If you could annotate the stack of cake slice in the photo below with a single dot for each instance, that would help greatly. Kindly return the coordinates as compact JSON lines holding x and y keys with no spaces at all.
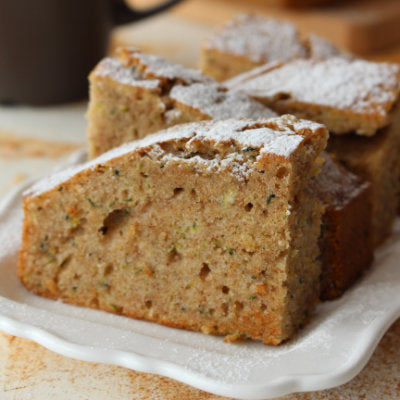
{"x":205,"y":99}
{"x":358,"y":101}
{"x":211,"y":226}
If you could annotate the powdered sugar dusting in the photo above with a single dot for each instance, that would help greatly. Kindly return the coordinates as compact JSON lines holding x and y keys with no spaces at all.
{"x":159,"y":67}
{"x":126,"y":76}
{"x":259,"y":38}
{"x":219,"y":103}
{"x":233,"y":162}
{"x":280,"y":136}
{"x":357,"y":85}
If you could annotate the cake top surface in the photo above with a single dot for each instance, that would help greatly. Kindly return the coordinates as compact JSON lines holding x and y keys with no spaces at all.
{"x":259,"y":38}
{"x":218,"y":102}
{"x":359,"y":86}
{"x":279,"y":136}
{"x":153,"y":66}
{"x":335,"y":185}
{"x":132,"y":67}
{"x":127,"y":76}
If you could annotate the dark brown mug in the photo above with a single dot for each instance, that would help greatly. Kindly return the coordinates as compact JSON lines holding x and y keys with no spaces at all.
{"x":48,"y":47}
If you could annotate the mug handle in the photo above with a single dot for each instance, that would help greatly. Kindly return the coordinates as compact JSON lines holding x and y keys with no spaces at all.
{"x":123,"y":14}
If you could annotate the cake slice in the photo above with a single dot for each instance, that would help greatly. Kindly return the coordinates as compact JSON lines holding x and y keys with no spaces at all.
{"x":358,"y":101}
{"x":208,"y":226}
{"x":136,"y":94}
{"x":248,"y":41}
{"x":345,"y":95}
{"x":346,"y":240}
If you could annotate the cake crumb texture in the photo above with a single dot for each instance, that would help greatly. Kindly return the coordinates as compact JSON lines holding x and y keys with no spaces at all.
{"x":144,"y":231}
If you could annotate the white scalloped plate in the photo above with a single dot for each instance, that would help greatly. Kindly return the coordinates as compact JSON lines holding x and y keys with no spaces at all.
{"x":330,"y":351}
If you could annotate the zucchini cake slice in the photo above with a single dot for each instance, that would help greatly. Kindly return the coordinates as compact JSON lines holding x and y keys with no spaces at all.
{"x":136,"y":93}
{"x":209,"y":226}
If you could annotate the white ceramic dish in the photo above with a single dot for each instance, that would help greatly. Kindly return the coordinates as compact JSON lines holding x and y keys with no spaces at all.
{"x":330,"y":351}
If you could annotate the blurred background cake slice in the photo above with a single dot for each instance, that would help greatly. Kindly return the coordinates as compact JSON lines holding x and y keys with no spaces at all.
{"x":248,"y":41}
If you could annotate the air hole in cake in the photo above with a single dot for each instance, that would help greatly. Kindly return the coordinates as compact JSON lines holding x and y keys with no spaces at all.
{"x":173,"y":256}
{"x":205,"y":270}
{"x":78,"y":229}
{"x":203,"y":155}
{"x":66,"y":261}
{"x":178,"y":191}
{"x":77,"y":276}
{"x":108,"y":269}
{"x":282,"y":96}
{"x":103,"y":230}
{"x":225,"y":308}
{"x":265,"y":213}
{"x":263,"y":307}
{"x":113,"y":221}
{"x":148,"y":303}
{"x":238,"y":306}
{"x":211,"y":311}
{"x":282,"y":172}
{"x":225,"y":289}
{"x":248,"y":207}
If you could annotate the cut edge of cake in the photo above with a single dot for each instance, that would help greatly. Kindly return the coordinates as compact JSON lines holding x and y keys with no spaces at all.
{"x":241,"y":151}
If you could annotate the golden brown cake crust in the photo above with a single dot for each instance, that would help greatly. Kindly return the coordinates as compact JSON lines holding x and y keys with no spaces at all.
{"x":144,"y":230}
